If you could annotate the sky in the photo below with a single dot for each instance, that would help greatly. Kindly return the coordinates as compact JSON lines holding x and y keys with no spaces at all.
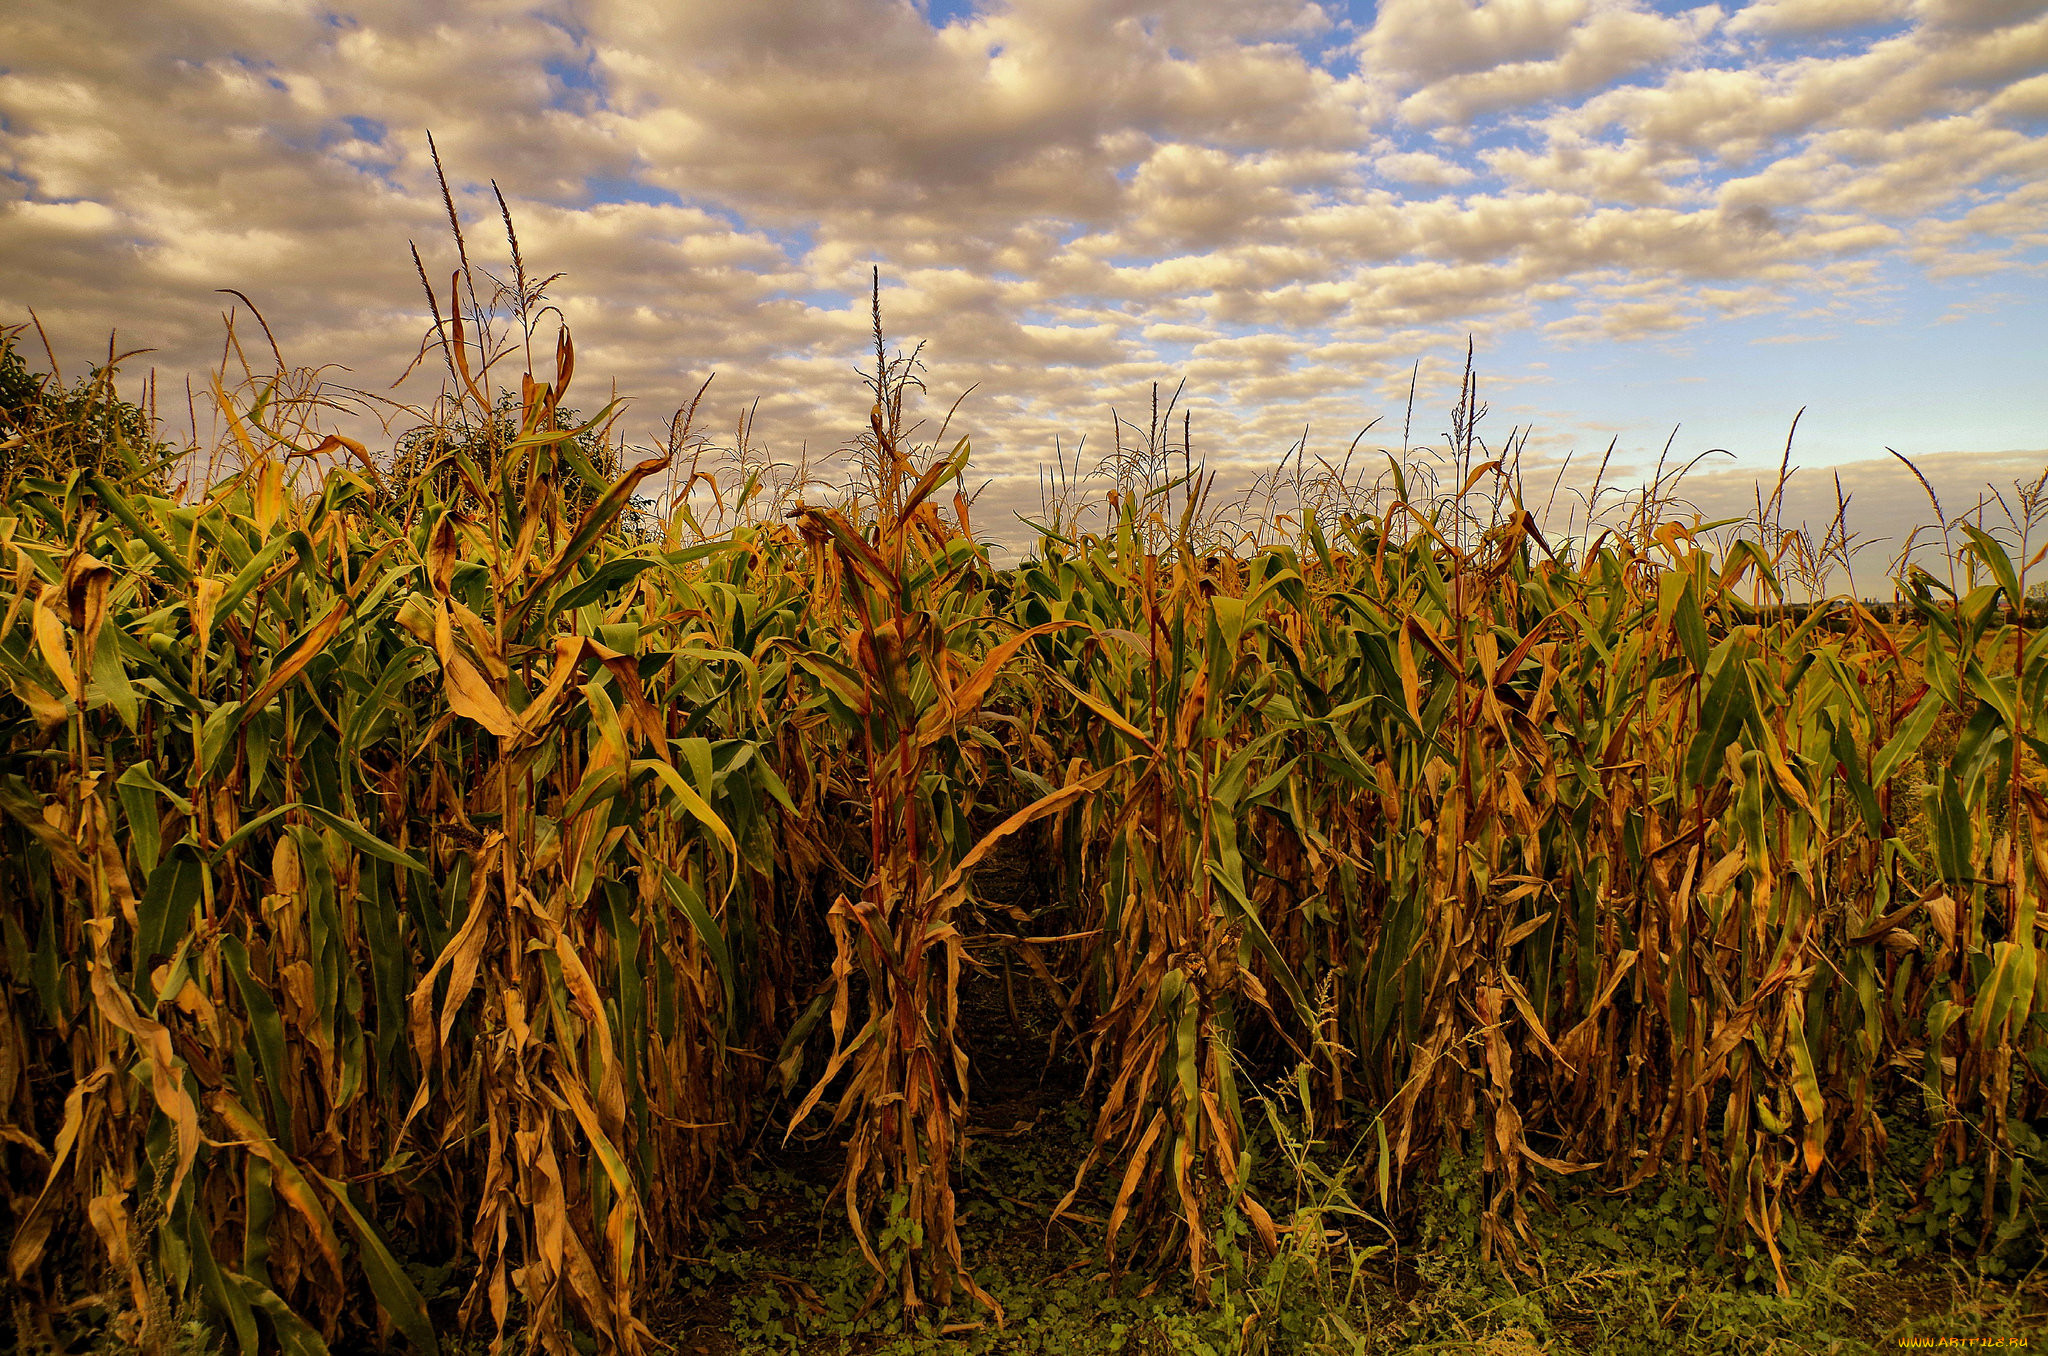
{"x":1657,"y":224}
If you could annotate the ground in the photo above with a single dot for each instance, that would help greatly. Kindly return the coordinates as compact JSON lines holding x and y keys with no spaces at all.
{"x":1616,"y":1276}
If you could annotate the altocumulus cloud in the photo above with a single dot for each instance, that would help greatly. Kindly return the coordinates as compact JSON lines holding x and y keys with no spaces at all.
{"x":1290,"y":203}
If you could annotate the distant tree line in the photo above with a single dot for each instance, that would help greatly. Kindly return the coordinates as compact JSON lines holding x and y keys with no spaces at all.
{"x":48,"y":429}
{"x":1890,"y":611}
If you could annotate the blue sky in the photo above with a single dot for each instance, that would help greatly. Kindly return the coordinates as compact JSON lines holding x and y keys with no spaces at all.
{"x":1645,"y":215}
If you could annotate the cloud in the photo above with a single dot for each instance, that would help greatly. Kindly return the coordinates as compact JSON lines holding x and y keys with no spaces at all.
{"x":1977,"y":14}
{"x":1478,"y":56}
{"x":1804,"y":17}
{"x":2021,"y":99}
{"x":1416,"y":42}
{"x":1420,"y":167}
{"x":859,"y":106}
{"x":1887,"y":507}
{"x":1200,"y":197}
{"x":1068,"y":198}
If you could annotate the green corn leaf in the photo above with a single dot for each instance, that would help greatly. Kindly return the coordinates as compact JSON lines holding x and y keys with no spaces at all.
{"x":295,"y":1336}
{"x":362,"y":840}
{"x":689,"y":801}
{"x":174,"y":890}
{"x":267,"y":1027}
{"x":217,"y":739}
{"x":123,"y":508}
{"x":225,"y":1297}
{"x":1997,"y":561}
{"x":1724,"y":709}
{"x":1256,"y":931}
{"x":1907,"y":737}
{"x":396,"y":1295}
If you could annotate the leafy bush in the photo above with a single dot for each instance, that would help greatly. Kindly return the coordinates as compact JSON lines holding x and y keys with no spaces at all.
{"x":51,"y":431}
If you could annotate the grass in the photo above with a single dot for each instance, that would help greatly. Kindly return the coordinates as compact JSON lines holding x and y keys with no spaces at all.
{"x":1618,"y":1276}
{"x":440,"y":893}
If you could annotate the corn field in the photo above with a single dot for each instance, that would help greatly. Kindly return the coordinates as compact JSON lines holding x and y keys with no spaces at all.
{"x":412,"y":867}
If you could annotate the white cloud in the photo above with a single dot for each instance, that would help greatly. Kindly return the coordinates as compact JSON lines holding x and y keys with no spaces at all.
{"x":1420,"y":167}
{"x":1886,"y":503}
{"x":1418,"y":41}
{"x":2021,"y":99}
{"x":1055,"y":189}
{"x":1814,"y":16}
{"x":1978,"y":14}
{"x":1477,"y":56}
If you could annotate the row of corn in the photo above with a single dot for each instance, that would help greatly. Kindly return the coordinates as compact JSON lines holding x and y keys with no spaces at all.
{"x":397,"y":873}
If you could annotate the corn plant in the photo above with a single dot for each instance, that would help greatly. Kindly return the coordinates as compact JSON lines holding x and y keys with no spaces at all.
{"x":423,"y":887}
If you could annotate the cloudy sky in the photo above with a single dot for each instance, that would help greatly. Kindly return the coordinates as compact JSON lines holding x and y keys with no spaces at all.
{"x":1647,"y":216}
